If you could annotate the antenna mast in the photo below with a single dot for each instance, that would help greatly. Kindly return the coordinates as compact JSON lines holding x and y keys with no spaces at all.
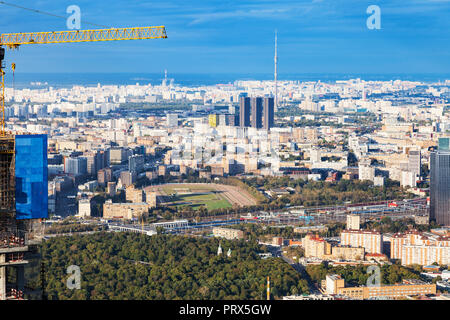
{"x":275,"y":73}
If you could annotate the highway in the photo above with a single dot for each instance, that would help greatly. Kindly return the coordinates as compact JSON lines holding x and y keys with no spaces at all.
{"x":301,"y":269}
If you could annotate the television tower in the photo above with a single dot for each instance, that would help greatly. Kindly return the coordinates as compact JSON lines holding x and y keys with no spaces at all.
{"x":275,"y":73}
{"x":164,"y":83}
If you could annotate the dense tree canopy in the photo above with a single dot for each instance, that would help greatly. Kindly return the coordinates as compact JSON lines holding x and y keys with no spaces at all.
{"x":132,"y":266}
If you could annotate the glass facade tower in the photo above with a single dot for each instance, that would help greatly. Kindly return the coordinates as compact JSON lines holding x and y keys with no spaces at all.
{"x":440,"y":187}
{"x":244,"y":112}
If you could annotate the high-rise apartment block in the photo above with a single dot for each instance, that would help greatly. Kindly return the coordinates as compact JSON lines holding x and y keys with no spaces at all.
{"x":127,"y":178}
{"x":95,"y":160}
{"x":256,"y":112}
{"x":366,"y":172}
{"x":421,"y":248}
{"x":84,"y":208}
{"x":76,"y":166}
{"x":244,"y":112}
{"x":231,"y":120}
{"x":111,"y":189}
{"x":90,"y":163}
{"x":172,"y":120}
{"x":117,"y":156}
{"x":268,"y":113}
{"x":151,"y":198}
{"x":371,"y":241}
{"x":104,"y":176}
{"x":134,"y":195}
{"x":302,"y":134}
{"x":353,"y":222}
{"x":136,"y":163}
{"x":316,"y":247}
{"x":414,"y":162}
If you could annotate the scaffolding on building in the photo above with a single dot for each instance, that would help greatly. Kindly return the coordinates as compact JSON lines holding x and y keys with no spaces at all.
{"x":12,"y":232}
{"x":7,"y":181}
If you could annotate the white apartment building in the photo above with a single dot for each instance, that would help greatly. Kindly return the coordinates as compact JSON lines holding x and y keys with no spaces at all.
{"x":371,"y":241}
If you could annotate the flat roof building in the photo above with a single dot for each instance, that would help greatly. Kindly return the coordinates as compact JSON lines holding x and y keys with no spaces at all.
{"x":124,"y":210}
{"x":228,"y":233}
{"x":335,"y":284}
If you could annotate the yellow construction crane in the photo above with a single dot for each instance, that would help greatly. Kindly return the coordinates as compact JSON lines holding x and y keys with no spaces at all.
{"x":14,"y":40}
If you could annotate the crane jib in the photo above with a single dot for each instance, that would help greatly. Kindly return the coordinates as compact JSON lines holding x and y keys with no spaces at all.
{"x":112,"y":34}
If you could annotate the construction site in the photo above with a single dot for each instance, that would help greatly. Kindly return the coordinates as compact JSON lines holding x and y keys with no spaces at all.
{"x":13,"y":240}
{"x":23,"y":202}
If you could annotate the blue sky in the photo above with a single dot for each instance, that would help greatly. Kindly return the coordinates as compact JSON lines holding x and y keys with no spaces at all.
{"x":212,"y":36}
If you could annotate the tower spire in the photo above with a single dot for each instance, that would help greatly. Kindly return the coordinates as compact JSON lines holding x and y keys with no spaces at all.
{"x":275,"y":73}
{"x":165,"y":78}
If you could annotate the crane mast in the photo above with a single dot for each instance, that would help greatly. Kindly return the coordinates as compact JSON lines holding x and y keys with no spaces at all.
{"x":2,"y":93}
{"x":14,"y":40}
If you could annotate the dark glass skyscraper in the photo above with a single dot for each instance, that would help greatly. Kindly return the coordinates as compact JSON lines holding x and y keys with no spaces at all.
{"x":257,"y":111}
{"x":440,"y":185}
{"x":268,"y":109}
{"x":244,"y":112}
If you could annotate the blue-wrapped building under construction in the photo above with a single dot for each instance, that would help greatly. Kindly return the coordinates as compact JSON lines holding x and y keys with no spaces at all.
{"x":31,"y":176}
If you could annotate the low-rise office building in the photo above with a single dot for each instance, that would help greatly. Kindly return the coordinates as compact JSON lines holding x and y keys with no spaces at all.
{"x":124,"y":210}
{"x":335,"y":285}
{"x":228,"y":233}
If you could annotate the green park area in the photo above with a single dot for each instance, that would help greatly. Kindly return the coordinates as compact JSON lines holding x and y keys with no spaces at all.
{"x":195,"y":197}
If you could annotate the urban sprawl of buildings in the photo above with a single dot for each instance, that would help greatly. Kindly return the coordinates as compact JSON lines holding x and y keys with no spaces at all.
{"x":108,"y":138}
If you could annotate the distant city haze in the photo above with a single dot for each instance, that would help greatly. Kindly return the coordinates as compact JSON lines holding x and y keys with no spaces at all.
{"x":30,"y":80}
